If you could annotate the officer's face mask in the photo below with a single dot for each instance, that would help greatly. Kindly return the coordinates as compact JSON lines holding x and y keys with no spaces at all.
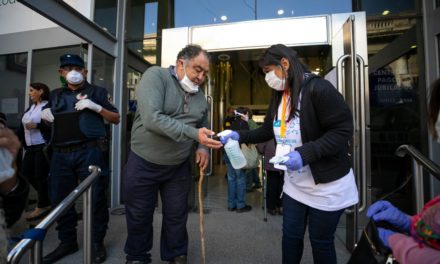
{"x":187,"y":85}
{"x":274,"y":81}
{"x":74,"y":77}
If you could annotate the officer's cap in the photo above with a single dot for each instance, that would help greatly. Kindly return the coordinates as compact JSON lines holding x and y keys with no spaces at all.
{"x":71,"y":60}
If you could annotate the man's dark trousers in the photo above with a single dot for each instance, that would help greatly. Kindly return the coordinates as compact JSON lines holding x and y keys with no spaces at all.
{"x":67,"y":169}
{"x":142,"y":181}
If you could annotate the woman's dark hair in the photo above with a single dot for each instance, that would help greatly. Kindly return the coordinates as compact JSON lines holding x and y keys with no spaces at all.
{"x":191,"y":51}
{"x":41,"y":86}
{"x":434,"y":107}
{"x":295,"y":74}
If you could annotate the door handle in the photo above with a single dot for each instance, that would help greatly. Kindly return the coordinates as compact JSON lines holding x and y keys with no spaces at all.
{"x":211,"y":121}
{"x":359,"y":117}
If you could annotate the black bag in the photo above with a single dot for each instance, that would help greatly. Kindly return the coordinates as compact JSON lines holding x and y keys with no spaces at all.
{"x":370,"y":248}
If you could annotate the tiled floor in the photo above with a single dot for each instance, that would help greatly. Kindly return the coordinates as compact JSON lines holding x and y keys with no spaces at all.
{"x":230,"y":237}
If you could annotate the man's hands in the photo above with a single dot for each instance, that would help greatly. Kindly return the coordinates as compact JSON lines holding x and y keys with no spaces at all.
{"x":204,"y":138}
{"x":47,"y":115}
{"x":202,"y":158}
{"x":87,"y":103}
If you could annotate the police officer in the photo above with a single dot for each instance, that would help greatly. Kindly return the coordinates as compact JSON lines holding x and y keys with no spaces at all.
{"x":77,"y":112}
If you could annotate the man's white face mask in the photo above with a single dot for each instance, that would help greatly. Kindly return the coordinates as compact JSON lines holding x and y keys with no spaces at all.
{"x":187,"y":85}
{"x":74,"y":77}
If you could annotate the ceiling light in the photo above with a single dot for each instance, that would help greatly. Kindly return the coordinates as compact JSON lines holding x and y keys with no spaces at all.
{"x":414,"y":46}
{"x":224,"y":18}
{"x":139,"y":51}
{"x":280,"y":12}
{"x":385,"y":12}
{"x":223,"y":57}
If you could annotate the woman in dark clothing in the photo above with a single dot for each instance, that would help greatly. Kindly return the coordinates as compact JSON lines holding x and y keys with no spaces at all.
{"x":34,"y":135}
{"x":312,"y":125}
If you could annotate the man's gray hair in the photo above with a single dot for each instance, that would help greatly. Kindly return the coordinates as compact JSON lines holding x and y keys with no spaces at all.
{"x":191,"y":51}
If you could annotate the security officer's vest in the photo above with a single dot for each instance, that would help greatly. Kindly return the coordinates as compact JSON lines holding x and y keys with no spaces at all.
{"x":70,"y":125}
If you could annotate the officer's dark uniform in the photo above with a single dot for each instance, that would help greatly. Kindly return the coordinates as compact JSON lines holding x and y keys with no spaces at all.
{"x":78,"y":140}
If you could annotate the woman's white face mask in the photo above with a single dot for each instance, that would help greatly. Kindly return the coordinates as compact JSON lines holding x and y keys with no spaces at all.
{"x":274,"y":81}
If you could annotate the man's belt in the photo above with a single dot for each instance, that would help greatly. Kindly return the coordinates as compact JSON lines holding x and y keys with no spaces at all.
{"x":76,"y":146}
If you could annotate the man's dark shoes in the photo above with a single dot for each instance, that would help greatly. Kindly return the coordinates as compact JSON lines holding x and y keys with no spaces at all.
{"x":136,"y":262}
{"x":246,"y":208}
{"x":99,"y":254}
{"x":63,"y":249}
{"x":230,"y":209}
{"x":179,"y":260}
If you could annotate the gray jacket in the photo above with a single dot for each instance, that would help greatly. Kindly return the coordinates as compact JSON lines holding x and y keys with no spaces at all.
{"x":163,"y":133}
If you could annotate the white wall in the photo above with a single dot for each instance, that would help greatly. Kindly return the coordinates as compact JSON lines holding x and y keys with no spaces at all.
{"x":15,"y":17}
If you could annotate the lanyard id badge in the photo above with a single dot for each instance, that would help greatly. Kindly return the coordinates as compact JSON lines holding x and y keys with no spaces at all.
{"x":281,"y":150}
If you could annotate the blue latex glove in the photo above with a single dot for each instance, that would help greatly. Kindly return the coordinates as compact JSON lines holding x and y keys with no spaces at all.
{"x":294,"y":162}
{"x":385,"y":211}
{"x":384,"y":235}
{"x":227,"y":134}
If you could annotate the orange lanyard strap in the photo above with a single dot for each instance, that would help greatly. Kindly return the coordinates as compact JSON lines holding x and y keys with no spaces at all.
{"x":283,"y":116}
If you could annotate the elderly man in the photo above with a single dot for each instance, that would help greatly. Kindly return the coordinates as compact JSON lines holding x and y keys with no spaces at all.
{"x":171,"y":116}
{"x":77,"y":112}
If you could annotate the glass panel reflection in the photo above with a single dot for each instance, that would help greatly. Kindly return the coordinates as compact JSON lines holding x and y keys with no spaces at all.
{"x":12,"y":96}
{"x":395,"y":120}
{"x":384,"y":8}
{"x":142,"y":30}
{"x":102,"y":70}
{"x":194,"y":12}
{"x":105,"y":14}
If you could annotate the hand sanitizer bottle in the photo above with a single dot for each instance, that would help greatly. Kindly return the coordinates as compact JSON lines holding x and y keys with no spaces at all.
{"x":232,"y":149}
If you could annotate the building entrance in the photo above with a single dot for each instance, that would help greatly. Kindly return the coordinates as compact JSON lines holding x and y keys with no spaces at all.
{"x":334,"y":46}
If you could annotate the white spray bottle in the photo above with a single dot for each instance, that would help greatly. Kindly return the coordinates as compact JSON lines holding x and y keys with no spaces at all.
{"x":232,"y":149}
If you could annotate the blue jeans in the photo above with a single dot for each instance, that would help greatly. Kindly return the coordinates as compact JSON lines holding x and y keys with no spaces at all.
{"x":322,"y":227}
{"x":236,"y":186}
{"x":252,"y":179}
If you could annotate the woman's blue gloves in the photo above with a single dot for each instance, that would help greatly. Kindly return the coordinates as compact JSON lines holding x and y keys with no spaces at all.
{"x":384,"y":235}
{"x":227,"y":134}
{"x":385,"y":211}
{"x":294,"y":162}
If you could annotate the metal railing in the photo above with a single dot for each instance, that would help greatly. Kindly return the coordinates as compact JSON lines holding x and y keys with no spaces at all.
{"x":419,"y":162}
{"x":36,"y":247}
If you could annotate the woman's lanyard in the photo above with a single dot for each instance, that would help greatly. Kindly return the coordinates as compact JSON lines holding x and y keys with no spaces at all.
{"x":283,"y":116}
